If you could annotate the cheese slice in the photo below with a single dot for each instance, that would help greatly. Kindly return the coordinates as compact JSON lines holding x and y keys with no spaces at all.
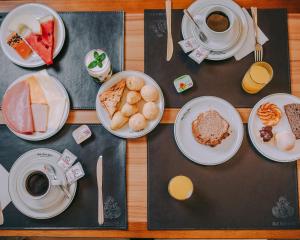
{"x":36,"y":92}
{"x":55,"y":98}
{"x":40,"y":116}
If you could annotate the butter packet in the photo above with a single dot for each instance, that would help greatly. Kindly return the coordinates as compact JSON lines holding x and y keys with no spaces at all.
{"x":188,"y":45}
{"x":199,"y":54}
{"x":74,"y":173}
{"x":81,"y":134}
{"x":183,"y":83}
{"x":66,"y":160}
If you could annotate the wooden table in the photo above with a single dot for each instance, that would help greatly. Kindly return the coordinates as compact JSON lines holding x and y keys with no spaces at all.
{"x":137,"y":149}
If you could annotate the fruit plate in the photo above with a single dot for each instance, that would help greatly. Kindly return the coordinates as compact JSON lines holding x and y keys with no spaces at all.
{"x":203,"y":154}
{"x":125,"y":131}
{"x":38,"y":11}
{"x":37,"y":136}
{"x":269,"y":149}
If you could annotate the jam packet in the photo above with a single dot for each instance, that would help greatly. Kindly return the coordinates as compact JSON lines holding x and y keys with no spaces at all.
{"x":183,"y":83}
{"x":74,"y":173}
{"x":188,"y":45}
{"x":66,"y":160}
{"x":81,"y":134}
{"x":199,"y":54}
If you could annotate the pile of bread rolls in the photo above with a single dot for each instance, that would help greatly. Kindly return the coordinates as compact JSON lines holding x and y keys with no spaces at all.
{"x":139,"y":93}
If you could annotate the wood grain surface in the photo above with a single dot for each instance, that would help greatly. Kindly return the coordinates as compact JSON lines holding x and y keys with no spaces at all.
{"x":137,"y":149}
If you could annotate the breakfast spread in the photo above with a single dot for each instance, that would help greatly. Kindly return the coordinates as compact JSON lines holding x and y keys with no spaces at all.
{"x":131,"y":101}
{"x":269,"y":114}
{"x":34,"y":104}
{"x":38,"y":34}
{"x":210,"y":128}
{"x":183,"y":83}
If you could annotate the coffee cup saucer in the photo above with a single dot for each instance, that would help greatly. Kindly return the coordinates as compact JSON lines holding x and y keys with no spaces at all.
{"x":54,"y":201}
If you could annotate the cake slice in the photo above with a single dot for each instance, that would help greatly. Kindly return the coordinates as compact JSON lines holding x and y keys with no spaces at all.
{"x":292,"y":112}
{"x":111,"y":97}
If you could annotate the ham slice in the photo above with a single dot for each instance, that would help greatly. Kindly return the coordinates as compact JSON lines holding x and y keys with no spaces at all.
{"x":16,"y":108}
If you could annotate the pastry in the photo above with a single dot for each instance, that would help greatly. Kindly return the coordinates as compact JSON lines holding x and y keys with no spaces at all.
{"x":292,"y":112}
{"x":150,"y":110}
{"x":149,"y":93}
{"x":269,"y":114}
{"x":210,"y":128}
{"x":134,"y":83}
{"x":118,"y":121}
{"x":133,"y":97}
{"x":285,"y":140}
{"x":111,"y":97}
{"x":137,"y":122}
{"x":129,"y":109}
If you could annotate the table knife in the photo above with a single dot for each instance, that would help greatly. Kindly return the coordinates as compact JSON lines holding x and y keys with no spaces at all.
{"x":1,"y":215}
{"x":100,"y":194}
{"x":169,"y":30}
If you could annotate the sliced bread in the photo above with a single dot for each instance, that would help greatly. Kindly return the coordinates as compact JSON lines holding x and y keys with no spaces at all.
{"x":292,"y":112}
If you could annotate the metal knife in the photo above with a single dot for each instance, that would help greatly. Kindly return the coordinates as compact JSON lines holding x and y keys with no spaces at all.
{"x":169,"y":30}
{"x":100,"y":194}
{"x":1,"y":215}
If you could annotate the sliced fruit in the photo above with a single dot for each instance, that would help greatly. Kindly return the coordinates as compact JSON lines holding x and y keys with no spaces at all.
{"x":25,"y":21}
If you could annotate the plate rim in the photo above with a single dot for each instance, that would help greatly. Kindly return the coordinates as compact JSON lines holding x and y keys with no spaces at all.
{"x":57,"y":49}
{"x":136,"y":134}
{"x":250,"y":131}
{"x":241,"y":127}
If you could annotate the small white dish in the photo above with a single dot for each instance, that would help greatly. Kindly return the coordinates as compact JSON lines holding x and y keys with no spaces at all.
{"x":219,"y":50}
{"x":126,"y":132}
{"x":37,"y":136}
{"x":269,"y":149}
{"x":54,"y":202}
{"x":38,"y":11}
{"x":203,"y":154}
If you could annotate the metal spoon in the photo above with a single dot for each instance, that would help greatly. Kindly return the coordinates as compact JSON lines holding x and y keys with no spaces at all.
{"x":202,"y":35}
{"x":51,"y":171}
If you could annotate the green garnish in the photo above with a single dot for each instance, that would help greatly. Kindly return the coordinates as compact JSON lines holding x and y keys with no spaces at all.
{"x":98,"y":59}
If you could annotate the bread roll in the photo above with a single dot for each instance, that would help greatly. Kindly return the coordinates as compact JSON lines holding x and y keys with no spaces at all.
{"x":137,"y":122}
{"x":118,"y":121}
{"x":134,"y":83}
{"x":150,"y":110}
{"x":149,"y":93}
{"x":128,"y":109}
{"x":133,"y":97}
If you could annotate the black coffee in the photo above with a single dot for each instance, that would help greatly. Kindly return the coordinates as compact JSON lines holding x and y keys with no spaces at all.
{"x":218,"y":21}
{"x":37,"y":184}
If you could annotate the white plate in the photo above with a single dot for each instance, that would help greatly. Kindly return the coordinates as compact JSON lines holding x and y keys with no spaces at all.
{"x":54,"y":202}
{"x":269,"y":149}
{"x":38,"y":11}
{"x":126,"y":132}
{"x":188,"y":30}
{"x":37,"y":136}
{"x":200,"y":153}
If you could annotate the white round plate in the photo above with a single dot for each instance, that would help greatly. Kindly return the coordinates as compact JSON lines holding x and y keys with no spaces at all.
{"x":38,"y":11}
{"x":54,"y":202}
{"x":125,"y":131}
{"x":188,"y":29}
{"x":200,"y":153}
{"x":37,"y":136}
{"x":269,"y":149}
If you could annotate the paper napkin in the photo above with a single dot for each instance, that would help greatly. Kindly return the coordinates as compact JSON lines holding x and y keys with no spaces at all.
{"x":249,"y":44}
{"x":4,"y":194}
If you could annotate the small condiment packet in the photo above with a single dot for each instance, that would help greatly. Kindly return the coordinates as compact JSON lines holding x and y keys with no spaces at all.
{"x":188,"y":45}
{"x":199,"y":54}
{"x":183,"y":83}
{"x":66,"y":160}
{"x":81,"y":134}
{"x":74,"y":173}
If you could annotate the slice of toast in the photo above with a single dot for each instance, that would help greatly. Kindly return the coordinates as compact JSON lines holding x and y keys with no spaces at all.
{"x":111,"y":97}
{"x":292,"y":112}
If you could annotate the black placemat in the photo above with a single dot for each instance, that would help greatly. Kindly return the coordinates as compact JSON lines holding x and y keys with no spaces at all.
{"x":221,"y":79}
{"x":83,"y":211}
{"x":84,"y":31}
{"x":247,"y":192}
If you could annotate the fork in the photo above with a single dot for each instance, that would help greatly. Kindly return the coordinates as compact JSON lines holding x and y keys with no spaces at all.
{"x":258,"y":52}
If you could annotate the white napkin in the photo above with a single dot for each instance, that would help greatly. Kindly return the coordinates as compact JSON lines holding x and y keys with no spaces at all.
{"x":249,"y":44}
{"x":4,"y":194}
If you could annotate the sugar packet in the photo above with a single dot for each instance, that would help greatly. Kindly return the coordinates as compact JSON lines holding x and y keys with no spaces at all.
{"x":199,"y":54}
{"x":74,"y":173}
{"x":188,"y":45}
{"x":66,"y":160}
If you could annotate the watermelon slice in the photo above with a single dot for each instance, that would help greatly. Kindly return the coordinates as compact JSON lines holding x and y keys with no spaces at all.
{"x":43,"y":44}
